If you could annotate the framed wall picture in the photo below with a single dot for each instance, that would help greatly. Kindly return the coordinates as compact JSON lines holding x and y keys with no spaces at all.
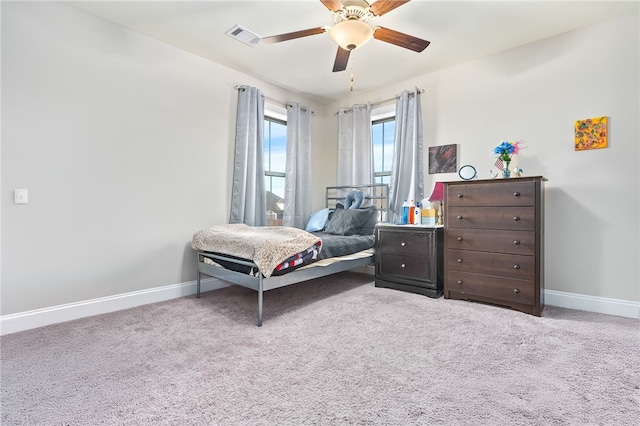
{"x":443,"y":159}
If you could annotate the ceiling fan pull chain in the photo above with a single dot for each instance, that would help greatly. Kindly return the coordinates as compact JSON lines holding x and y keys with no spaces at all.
{"x":351,"y":79}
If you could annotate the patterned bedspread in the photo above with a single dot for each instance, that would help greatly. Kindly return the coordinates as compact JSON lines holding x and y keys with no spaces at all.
{"x":266,"y":246}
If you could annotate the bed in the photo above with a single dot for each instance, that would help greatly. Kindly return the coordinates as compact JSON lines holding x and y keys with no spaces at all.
{"x":341,"y":245}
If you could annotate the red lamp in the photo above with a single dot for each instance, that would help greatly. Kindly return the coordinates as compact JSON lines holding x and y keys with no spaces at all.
{"x":438,"y":196}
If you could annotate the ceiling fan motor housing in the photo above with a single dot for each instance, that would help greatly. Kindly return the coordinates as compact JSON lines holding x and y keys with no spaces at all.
{"x":353,"y":9}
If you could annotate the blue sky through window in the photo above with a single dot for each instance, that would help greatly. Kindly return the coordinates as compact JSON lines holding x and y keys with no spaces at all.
{"x":275,"y":143}
{"x":383,"y":135}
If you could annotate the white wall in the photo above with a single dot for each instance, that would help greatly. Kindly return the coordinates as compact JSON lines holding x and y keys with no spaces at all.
{"x":125,"y":145}
{"x":535,"y":93}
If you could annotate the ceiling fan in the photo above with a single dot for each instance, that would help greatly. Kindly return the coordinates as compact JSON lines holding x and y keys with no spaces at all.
{"x":351,"y":28}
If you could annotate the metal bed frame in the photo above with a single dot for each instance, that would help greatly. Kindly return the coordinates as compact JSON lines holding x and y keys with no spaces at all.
{"x":261,"y":284}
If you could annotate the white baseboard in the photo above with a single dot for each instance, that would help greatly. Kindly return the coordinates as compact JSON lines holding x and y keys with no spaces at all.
{"x":56,"y":314}
{"x":601,"y":305}
{"x":41,"y":317}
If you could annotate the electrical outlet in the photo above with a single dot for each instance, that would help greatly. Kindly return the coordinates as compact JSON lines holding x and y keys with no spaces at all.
{"x":21,"y":196}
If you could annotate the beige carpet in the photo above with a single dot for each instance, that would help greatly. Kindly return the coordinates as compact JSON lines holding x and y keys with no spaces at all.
{"x":334,"y":351}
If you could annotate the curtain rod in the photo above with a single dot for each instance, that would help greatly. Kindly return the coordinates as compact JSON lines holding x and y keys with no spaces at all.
{"x":386,"y":101}
{"x":272,"y":100}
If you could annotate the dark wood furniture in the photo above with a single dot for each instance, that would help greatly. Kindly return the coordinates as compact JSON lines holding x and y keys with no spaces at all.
{"x":410,"y":258}
{"x":493,"y":242}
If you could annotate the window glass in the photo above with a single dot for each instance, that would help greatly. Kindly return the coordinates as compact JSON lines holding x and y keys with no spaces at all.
{"x":383,"y":136}
{"x":275,"y":144}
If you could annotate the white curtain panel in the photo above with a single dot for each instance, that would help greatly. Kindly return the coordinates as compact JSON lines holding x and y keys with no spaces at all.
{"x":297,"y":184}
{"x":407,"y":175}
{"x":248,"y":204}
{"x":355,"y":151}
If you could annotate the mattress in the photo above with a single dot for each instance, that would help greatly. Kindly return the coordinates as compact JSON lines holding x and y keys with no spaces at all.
{"x":333,"y":246}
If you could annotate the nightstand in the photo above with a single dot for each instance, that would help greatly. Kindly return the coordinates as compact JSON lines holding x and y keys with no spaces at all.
{"x":410,"y":258}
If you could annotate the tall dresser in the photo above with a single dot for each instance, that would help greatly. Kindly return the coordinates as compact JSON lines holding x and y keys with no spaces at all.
{"x":493,"y":242}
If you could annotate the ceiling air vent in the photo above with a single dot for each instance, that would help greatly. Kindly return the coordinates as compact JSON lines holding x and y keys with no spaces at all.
{"x":244,"y":35}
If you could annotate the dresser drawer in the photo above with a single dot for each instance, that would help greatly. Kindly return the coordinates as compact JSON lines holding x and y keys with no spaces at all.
{"x":514,"y":242}
{"x":392,"y":266}
{"x":513,"y":291}
{"x":405,"y":242}
{"x":498,"y":193}
{"x":503,"y":265}
{"x":509,"y":218}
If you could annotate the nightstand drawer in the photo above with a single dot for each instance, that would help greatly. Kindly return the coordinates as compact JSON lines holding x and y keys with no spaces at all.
{"x":508,"y":218}
{"x":507,"y":193}
{"x":514,"y":242}
{"x":408,"y":267}
{"x":405,"y":243}
{"x":503,"y":265}
{"x":503,"y":289}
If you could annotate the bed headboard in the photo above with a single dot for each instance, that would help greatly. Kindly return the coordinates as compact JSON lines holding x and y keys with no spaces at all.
{"x":376,"y":194}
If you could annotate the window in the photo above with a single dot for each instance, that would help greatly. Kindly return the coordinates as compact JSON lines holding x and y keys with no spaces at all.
{"x":383,"y":132}
{"x":275,"y":144}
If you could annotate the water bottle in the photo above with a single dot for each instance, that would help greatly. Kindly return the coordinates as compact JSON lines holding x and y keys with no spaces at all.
{"x":404,"y":218}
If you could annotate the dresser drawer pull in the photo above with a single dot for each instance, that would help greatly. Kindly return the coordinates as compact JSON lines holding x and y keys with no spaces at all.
{"x":459,"y":238}
{"x":516,"y":194}
{"x":402,"y":265}
{"x":516,"y":218}
{"x":459,"y":260}
{"x":516,"y":242}
{"x":460,"y":196}
{"x":516,"y":266}
{"x":459,"y":217}
{"x":402,"y":244}
{"x":516,"y":291}
{"x":460,"y":282}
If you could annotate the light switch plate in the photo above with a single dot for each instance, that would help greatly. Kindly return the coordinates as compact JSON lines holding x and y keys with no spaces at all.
{"x":21,"y":196}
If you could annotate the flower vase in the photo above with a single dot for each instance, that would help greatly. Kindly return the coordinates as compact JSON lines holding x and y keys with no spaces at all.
{"x":506,"y":173}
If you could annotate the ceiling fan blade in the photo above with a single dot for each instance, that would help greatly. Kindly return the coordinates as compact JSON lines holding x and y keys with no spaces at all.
{"x":399,"y":39}
{"x":332,"y":5}
{"x":296,"y":34}
{"x":381,"y":7}
{"x":342,"y":57}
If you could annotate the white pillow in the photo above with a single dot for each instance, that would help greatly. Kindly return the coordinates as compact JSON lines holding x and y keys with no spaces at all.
{"x":318,"y":221}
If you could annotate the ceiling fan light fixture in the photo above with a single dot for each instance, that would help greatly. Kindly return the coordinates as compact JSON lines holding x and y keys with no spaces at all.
{"x":351,"y":34}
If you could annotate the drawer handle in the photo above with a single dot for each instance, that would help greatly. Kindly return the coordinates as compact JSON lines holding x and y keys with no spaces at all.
{"x":402,"y":244}
{"x":516,"y":266}
{"x":402,"y":265}
{"x":516,"y":218}
{"x":459,"y":238}
{"x":516,"y":194}
{"x":516,"y":291}
{"x":459,"y":217}
{"x":460,"y":282}
{"x":460,"y":196}
{"x":459,"y":260}
{"x":516,"y":242}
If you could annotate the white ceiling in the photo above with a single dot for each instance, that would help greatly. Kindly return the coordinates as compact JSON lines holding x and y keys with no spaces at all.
{"x":458,"y":30}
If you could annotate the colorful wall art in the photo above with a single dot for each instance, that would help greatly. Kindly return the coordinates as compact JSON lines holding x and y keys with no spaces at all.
{"x":591,"y":133}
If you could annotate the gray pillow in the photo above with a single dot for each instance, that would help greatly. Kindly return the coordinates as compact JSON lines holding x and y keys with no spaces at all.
{"x":351,"y":222}
{"x":369,"y":224}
